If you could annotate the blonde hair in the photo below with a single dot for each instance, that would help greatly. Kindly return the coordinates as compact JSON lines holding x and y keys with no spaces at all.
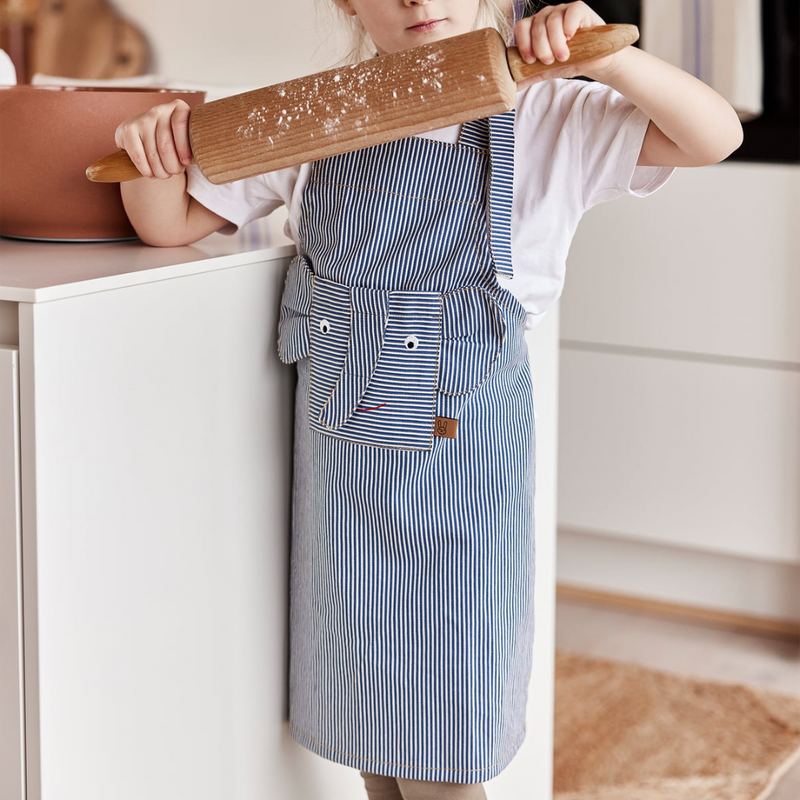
{"x":498,"y":14}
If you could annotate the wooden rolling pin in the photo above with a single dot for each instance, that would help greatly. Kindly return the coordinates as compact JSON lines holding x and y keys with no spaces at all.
{"x":379,"y":100}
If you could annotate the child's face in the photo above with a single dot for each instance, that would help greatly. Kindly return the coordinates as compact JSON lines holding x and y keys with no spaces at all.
{"x":399,"y":24}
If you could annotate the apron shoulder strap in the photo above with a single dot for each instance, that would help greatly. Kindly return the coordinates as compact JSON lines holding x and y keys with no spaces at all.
{"x":496,"y":136}
{"x":501,"y":190}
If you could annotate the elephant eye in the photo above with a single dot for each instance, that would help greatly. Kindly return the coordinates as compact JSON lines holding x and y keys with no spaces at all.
{"x":324,"y":325}
{"x":411,"y":342}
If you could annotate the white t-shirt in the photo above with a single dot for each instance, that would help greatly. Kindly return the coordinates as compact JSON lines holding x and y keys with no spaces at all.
{"x":576,"y":145}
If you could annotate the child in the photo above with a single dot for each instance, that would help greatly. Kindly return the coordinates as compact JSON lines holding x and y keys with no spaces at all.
{"x":413,"y":549}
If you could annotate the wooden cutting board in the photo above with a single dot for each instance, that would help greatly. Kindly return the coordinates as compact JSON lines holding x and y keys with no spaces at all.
{"x":379,"y":100}
{"x":85,"y":39}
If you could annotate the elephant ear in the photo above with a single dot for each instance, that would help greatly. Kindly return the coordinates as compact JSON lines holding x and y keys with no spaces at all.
{"x":295,"y":318}
{"x":473,"y":331}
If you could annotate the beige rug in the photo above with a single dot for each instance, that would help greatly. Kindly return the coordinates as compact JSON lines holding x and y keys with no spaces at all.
{"x":624,"y":732}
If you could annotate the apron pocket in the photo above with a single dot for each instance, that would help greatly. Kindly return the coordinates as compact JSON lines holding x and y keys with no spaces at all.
{"x":473,"y":331}
{"x":374,"y":382}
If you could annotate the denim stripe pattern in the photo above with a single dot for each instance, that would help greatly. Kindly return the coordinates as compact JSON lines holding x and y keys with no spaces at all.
{"x":413,"y":555}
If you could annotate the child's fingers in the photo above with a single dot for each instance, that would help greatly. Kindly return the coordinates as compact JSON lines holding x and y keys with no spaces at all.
{"x":574,"y":19}
{"x":540,"y":37}
{"x":166,"y":153}
{"x":151,"y":151}
{"x":127,"y":138}
{"x":579,"y":15}
{"x":180,"y":131}
{"x":146,"y":127}
{"x":522,"y":37}
{"x":556,"y":37}
{"x":138,"y":152}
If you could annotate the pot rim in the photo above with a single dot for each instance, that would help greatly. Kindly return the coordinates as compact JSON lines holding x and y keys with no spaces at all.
{"x":52,"y":87}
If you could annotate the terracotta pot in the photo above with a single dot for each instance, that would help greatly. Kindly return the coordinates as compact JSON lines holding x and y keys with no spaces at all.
{"x":49,"y":135}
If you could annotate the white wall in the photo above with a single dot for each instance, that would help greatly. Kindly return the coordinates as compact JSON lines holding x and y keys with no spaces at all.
{"x":236,"y":42}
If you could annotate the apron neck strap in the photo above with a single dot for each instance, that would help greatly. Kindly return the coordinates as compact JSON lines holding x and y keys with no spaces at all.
{"x":496,"y":136}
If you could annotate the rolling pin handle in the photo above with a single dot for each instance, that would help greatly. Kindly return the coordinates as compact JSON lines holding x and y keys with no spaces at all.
{"x":585,"y":45}
{"x":113,"y":168}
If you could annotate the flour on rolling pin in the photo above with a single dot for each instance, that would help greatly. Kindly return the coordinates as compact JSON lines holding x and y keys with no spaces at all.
{"x":326,"y":99}
{"x":377,"y":100}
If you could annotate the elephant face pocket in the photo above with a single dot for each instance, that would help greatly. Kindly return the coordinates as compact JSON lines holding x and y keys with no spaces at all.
{"x":473,"y":332}
{"x":385,"y":389}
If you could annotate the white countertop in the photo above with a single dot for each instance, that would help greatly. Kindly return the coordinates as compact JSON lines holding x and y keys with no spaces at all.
{"x":35,"y":272}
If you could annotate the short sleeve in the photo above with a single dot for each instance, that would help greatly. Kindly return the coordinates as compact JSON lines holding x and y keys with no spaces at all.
{"x":241,"y":202}
{"x":613,"y":130}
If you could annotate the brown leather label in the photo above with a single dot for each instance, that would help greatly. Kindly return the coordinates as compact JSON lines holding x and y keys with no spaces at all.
{"x":444,"y":426}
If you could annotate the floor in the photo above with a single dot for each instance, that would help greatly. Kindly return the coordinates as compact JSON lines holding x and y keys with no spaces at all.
{"x":688,"y":648}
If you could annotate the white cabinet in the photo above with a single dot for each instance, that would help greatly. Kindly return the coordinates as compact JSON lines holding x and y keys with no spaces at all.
{"x":11,"y":690}
{"x":680,"y":392}
{"x":156,"y":485}
{"x":709,"y":266}
{"x":149,"y":577}
{"x":694,"y":455}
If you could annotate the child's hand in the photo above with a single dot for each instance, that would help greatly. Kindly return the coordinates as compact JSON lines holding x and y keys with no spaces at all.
{"x":544,"y":37}
{"x":158,"y":140}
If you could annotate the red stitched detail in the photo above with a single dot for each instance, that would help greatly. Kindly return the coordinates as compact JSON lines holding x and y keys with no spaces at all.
{"x":371,"y":409}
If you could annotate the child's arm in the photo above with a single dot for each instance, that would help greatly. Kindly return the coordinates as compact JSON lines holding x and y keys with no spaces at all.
{"x":691,"y":125}
{"x":158,"y":206}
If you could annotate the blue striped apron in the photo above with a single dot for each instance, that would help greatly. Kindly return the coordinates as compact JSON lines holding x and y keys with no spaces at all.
{"x":412,"y":568}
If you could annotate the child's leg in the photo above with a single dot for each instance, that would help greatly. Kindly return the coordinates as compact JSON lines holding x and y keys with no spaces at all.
{"x":434,"y":790}
{"x":379,"y":787}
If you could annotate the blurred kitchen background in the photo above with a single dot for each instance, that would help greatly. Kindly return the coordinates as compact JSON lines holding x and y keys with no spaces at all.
{"x":676,"y":421}
{"x":679,"y":430}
